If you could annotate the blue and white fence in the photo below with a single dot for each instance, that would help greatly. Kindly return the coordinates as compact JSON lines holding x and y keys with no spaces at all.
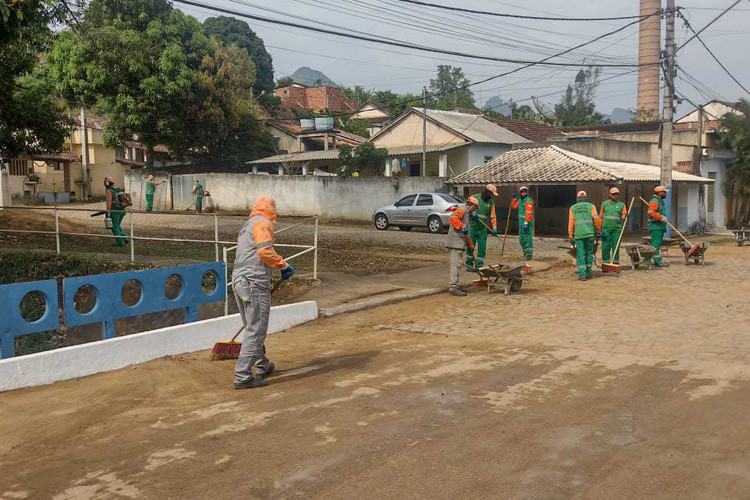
{"x":109,"y":305}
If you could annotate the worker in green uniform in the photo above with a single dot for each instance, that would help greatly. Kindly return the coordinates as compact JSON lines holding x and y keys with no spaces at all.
{"x":482,"y":218}
{"x":583,"y":225}
{"x":199,"y":193}
{"x":657,"y":223}
{"x":115,"y":211}
{"x":150,"y":187}
{"x":525,"y":221}
{"x":613,"y":213}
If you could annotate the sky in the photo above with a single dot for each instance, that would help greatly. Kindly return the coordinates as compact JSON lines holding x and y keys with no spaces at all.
{"x":374,"y":66}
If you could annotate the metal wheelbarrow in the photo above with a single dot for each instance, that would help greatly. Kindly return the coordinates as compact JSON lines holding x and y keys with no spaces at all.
{"x":666,"y":244}
{"x":699,"y":253}
{"x":741,"y":235}
{"x":509,"y":273}
{"x":640,"y":254}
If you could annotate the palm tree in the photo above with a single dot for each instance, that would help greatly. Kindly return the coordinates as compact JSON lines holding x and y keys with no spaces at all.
{"x":735,"y":135}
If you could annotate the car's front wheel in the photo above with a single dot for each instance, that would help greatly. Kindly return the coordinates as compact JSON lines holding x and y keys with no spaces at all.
{"x":434,"y":224}
{"x":381,"y":222}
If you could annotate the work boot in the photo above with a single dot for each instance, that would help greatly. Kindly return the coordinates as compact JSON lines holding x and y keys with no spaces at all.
{"x":270,"y":370}
{"x":582,"y":278}
{"x":252,"y":383}
{"x":457,"y":292}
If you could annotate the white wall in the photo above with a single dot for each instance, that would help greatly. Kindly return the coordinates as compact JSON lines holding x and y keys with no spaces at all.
{"x":331,"y":197}
{"x":477,"y":152}
{"x":719,"y":167}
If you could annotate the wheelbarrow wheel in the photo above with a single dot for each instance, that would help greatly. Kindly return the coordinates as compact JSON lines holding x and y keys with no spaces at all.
{"x":515,"y":285}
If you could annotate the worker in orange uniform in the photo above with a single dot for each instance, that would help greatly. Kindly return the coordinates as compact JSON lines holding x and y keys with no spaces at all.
{"x":458,"y":240}
{"x":657,"y":223}
{"x":251,"y":283}
{"x":583,"y":225}
{"x":525,"y":221}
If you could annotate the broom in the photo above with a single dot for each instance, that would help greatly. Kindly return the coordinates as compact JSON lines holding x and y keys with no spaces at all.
{"x":693,"y":248}
{"x":610,"y":266}
{"x":230,"y":348}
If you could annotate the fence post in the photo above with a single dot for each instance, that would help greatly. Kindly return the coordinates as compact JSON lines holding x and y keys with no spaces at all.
{"x":226,"y":284}
{"x":216,"y":235}
{"x":132,"y":241}
{"x":315,"y":252}
{"x":57,"y":230}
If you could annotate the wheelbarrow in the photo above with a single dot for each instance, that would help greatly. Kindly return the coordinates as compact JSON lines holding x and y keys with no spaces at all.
{"x":698,"y":254}
{"x":509,"y":273}
{"x":741,"y":235}
{"x":666,"y":243}
{"x":640,"y":254}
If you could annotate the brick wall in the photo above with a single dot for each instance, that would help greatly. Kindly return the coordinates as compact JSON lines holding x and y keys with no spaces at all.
{"x":315,"y":98}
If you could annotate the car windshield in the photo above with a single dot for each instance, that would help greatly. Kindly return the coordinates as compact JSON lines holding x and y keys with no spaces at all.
{"x":449,"y":198}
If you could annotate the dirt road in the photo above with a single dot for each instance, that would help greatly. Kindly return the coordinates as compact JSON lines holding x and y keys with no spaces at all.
{"x":622,"y":387}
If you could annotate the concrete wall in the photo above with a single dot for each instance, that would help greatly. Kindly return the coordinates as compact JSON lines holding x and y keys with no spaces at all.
{"x":331,"y":197}
{"x":717,"y":166}
{"x":112,"y":354}
{"x":477,"y":152}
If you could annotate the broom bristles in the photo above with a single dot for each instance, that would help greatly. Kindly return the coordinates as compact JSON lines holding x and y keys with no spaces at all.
{"x":693,"y":249}
{"x":226,"y":349}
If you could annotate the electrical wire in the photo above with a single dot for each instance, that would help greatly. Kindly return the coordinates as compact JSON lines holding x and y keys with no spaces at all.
{"x":706,"y":26}
{"x":517,"y":16}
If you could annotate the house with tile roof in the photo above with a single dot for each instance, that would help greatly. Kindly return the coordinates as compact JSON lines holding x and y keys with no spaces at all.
{"x":554,"y":175}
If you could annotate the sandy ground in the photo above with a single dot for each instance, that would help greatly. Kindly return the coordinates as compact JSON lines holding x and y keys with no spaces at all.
{"x":635,"y":386}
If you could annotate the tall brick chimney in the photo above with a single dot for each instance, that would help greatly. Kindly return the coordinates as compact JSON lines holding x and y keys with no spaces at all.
{"x":649,"y":45}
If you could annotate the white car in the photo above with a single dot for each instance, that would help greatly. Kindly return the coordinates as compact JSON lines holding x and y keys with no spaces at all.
{"x":430,"y":210}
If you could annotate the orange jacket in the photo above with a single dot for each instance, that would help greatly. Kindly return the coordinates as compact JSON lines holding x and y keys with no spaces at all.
{"x":528,"y":206}
{"x":572,"y":221}
{"x":457,"y":221}
{"x":263,"y":232}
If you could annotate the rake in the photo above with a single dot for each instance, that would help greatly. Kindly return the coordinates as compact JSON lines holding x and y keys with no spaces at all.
{"x":693,"y":248}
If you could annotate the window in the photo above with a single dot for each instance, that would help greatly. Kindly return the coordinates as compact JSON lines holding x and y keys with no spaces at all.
{"x":329,"y":100}
{"x":406,"y":201}
{"x":449,"y":198}
{"x":414,"y":170}
{"x":425,"y":200}
{"x":17,"y":167}
{"x":488,"y":158}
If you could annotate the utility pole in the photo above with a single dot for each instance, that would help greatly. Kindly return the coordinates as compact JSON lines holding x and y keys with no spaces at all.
{"x":85,"y":172}
{"x":668,"y":110}
{"x":423,"y":169}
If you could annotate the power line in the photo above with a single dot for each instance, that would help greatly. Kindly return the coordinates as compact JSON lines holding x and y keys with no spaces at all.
{"x":695,"y":35}
{"x":517,"y":16}
{"x":706,"y":26}
{"x":399,"y":43}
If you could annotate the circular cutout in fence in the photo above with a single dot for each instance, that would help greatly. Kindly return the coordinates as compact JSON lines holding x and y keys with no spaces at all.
{"x":84,"y":299}
{"x":173,"y":286}
{"x":33,"y":306}
{"x":131,"y":293}
{"x":208,"y":282}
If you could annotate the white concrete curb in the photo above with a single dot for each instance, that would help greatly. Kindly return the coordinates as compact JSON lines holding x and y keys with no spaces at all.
{"x":113,"y":354}
{"x":368,"y":304}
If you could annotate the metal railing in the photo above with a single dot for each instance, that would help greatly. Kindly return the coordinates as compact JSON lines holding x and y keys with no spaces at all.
{"x":133,"y":238}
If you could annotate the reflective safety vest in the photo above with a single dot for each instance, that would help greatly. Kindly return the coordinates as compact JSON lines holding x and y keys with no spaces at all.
{"x":612,"y":215}
{"x":485,"y":212}
{"x":655,"y":224}
{"x":584,"y":220}
{"x":525,"y":211}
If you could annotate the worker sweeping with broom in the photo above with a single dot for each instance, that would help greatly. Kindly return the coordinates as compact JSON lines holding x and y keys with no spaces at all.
{"x":482,"y":218}
{"x":613,"y":214}
{"x":583,"y":225}
{"x":251,"y":283}
{"x":657,"y":223}
{"x":458,"y":240}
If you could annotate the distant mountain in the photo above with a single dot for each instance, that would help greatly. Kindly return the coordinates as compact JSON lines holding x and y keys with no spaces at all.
{"x":620,"y":115}
{"x":309,"y":76}
{"x":496,"y":104}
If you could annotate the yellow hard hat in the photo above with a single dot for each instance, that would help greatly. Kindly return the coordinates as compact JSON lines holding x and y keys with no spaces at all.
{"x":660,"y":189}
{"x":472,"y":200}
{"x":491,"y":188}
{"x":614,"y":191}
{"x":581,"y":193}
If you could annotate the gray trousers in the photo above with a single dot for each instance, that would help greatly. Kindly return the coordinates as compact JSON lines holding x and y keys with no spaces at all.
{"x":457,"y":257}
{"x":254,"y":303}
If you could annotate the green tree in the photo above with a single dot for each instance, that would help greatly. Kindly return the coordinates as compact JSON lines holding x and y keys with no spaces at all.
{"x":358,"y":93}
{"x":735,"y":134}
{"x":365,"y":159}
{"x":30,"y":120}
{"x":284,"y":81}
{"x":577,"y":107}
{"x":395,"y":103}
{"x":358,"y":127}
{"x":447,"y":89}
{"x":228,"y":31}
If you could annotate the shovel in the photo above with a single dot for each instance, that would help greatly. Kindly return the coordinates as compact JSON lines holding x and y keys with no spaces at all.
{"x":611,"y":266}
{"x":693,"y":248}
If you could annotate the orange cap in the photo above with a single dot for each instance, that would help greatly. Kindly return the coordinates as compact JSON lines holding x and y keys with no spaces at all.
{"x":614,"y":191}
{"x":472,"y":200}
{"x":581,"y":193}
{"x":660,"y":189}
{"x":491,"y":188}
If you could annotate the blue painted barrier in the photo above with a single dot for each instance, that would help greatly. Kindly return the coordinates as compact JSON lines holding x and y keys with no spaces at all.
{"x":110,"y":307}
{"x":12,"y":324}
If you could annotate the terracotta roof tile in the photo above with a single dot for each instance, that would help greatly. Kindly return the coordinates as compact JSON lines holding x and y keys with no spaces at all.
{"x":533,"y":131}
